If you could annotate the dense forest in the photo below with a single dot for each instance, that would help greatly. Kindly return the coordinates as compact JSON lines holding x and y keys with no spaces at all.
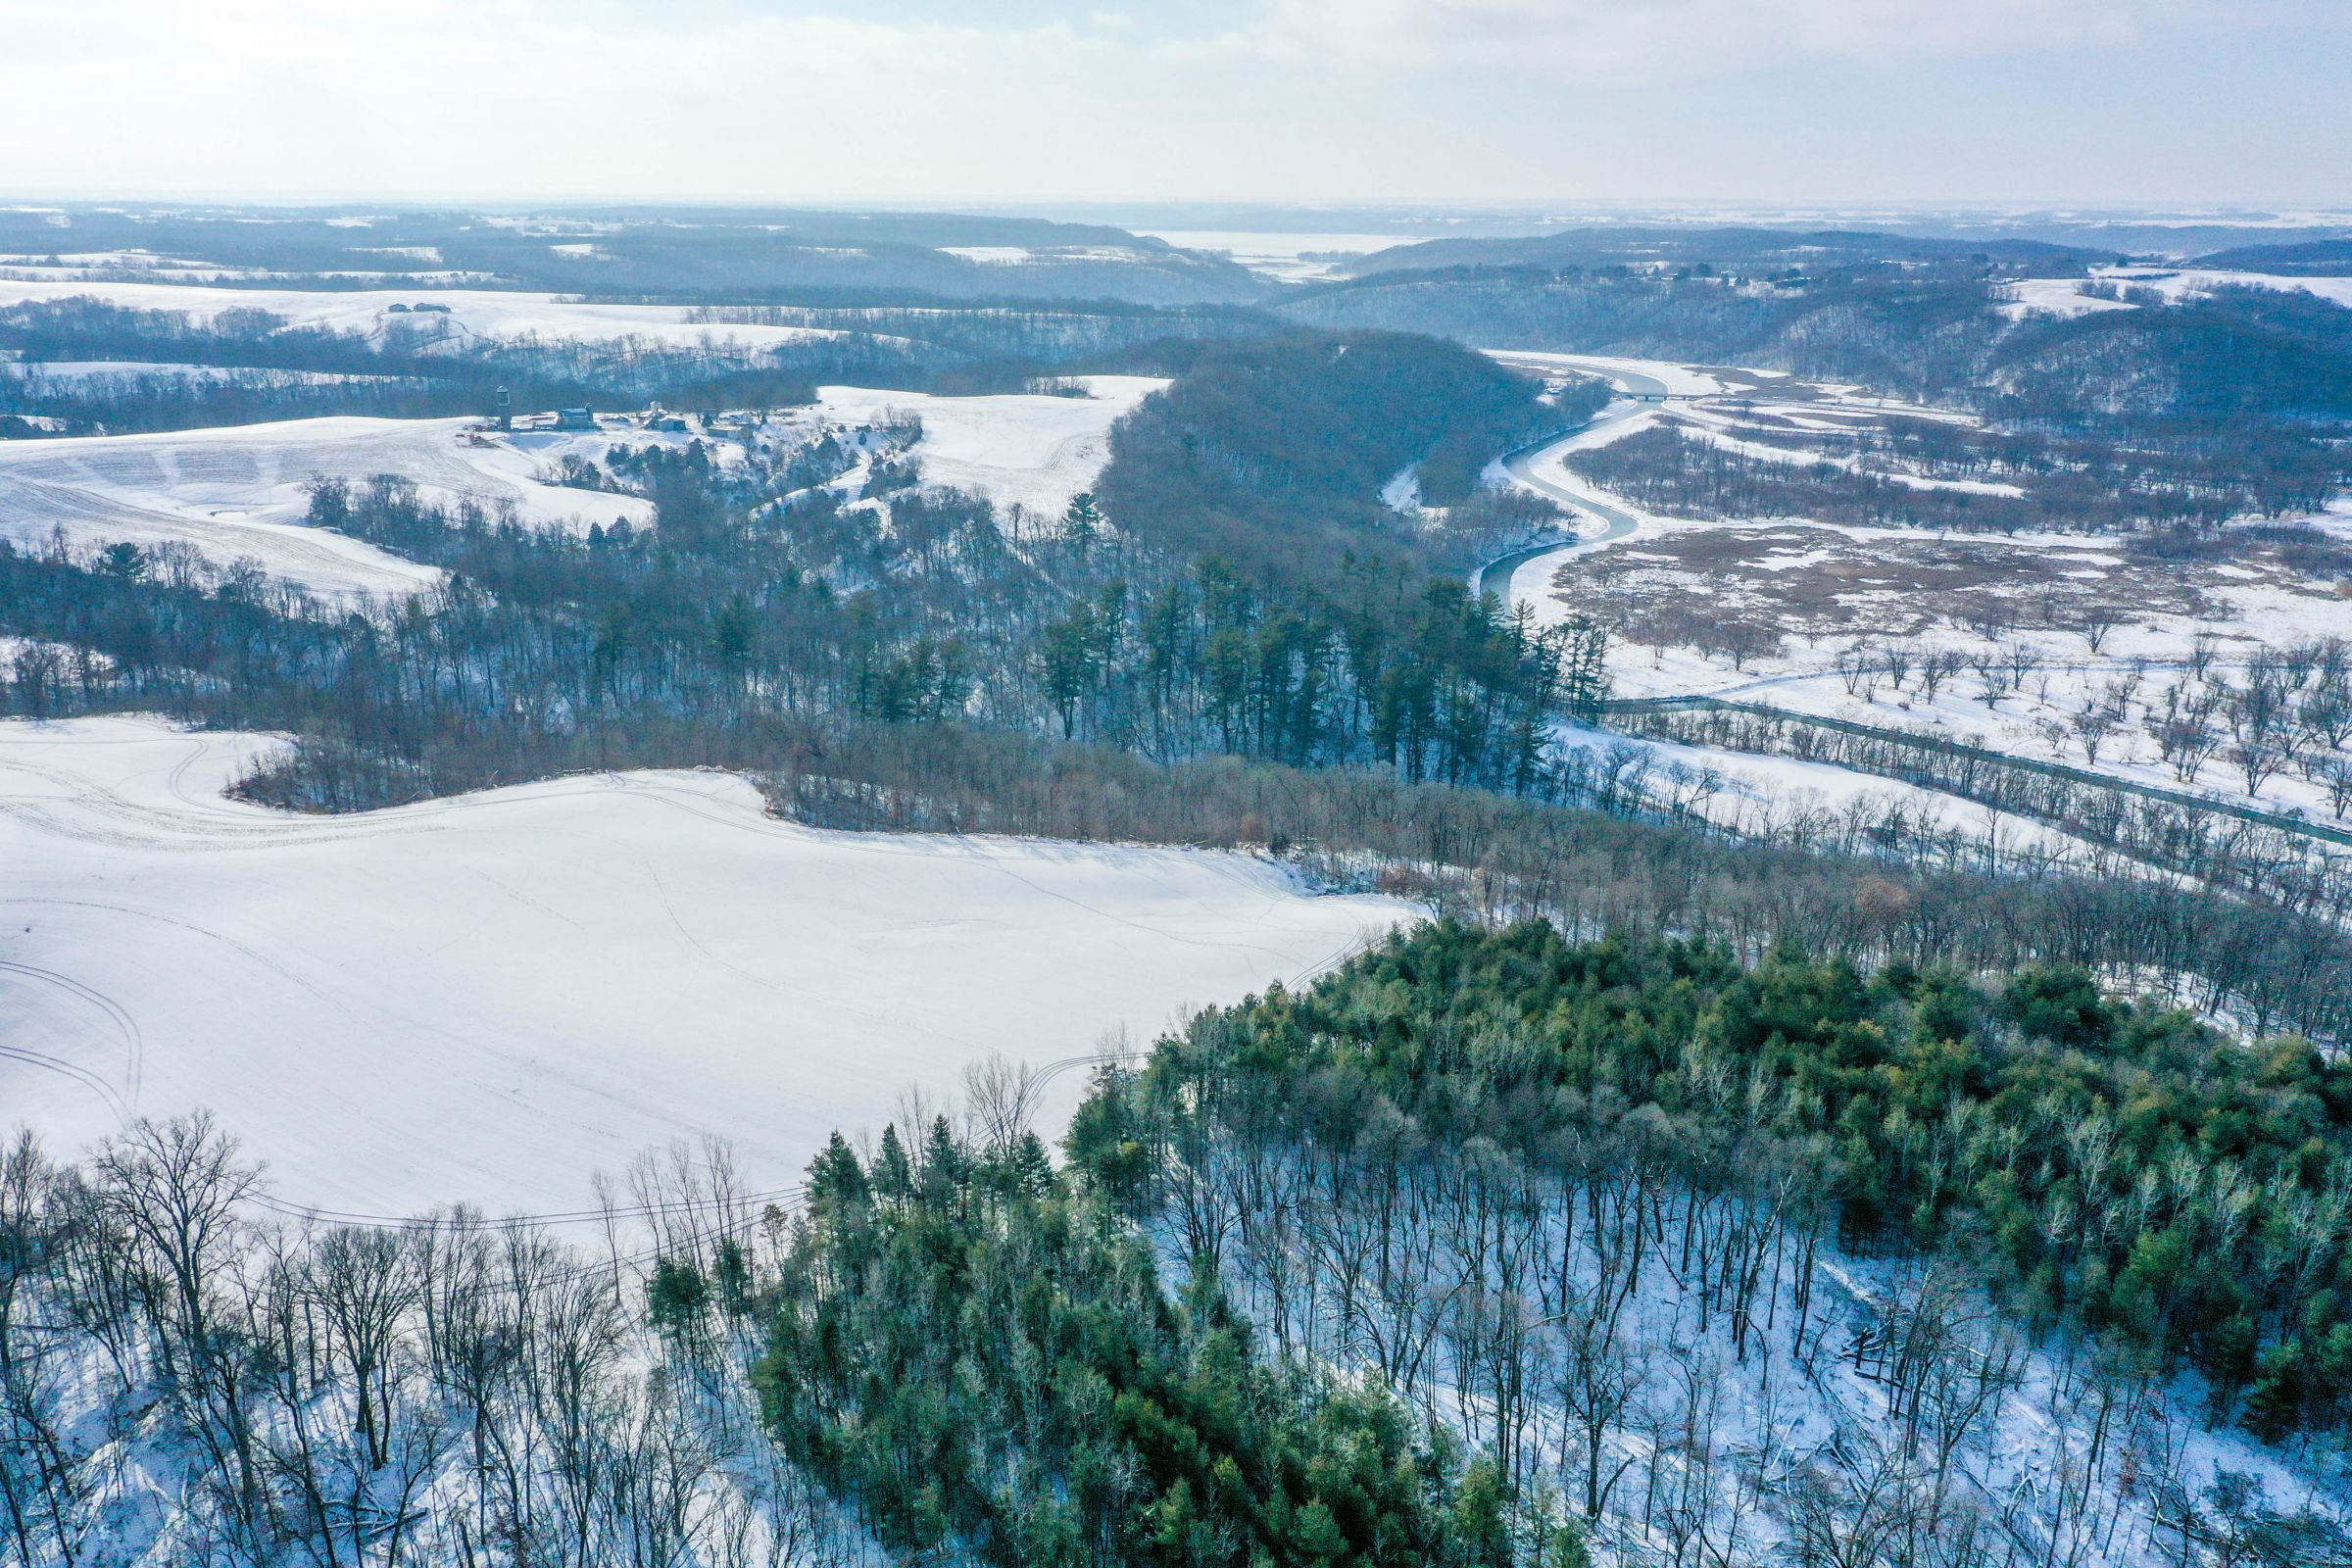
{"x":1705,"y":249}
{"x":978,"y":1353}
{"x":2066,"y":484}
{"x":1275,"y":449}
{"x":1472,"y":1164}
{"x":2017,"y":1124}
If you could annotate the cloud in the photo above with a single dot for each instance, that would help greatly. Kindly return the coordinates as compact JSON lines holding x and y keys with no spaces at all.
{"x":1612,"y":41}
{"x":975,"y":101}
{"x":513,"y":96}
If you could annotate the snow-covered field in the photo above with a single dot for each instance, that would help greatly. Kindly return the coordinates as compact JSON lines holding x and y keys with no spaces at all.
{"x":1017,"y":450}
{"x":2020,"y":688}
{"x":1045,"y":256}
{"x":472,"y":315}
{"x":238,"y":492}
{"x":2065,"y":296}
{"x":489,"y":997}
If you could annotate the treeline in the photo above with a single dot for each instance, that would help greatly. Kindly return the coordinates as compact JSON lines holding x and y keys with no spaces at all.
{"x":746,"y":632}
{"x":546,"y":650}
{"x":550,"y":654}
{"x":1590,"y":1201}
{"x":261,"y":367}
{"x":134,"y":397}
{"x":1913,"y":330}
{"x":2258,"y":854}
{"x":639,"y":647}
{"x":1930,"y":332}
{"x":671,"y":252}
{"x":2070,"y":484}
{"x":1593,"y":862}
{"x":1062,"y":334}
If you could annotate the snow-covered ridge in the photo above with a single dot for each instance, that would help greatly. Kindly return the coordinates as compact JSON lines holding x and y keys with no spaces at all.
{"x":489,"y":997}
{"x":1016,"y":449}
{"x":470,"y":314}
{"x":2066,"y":296}
{"x":240,"y":492}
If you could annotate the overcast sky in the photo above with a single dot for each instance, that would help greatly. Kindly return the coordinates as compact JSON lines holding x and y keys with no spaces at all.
{"x":1450,"y":101}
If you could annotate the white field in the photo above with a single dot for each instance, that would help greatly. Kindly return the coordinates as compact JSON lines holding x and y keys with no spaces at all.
{"x":1049,"y":255}
{"x":2034,"y":719}
{"x":489,"y":997}
{"x":1017,"y":450}
{"x":238,"y":492}
{"x":495,"y":314}
{"x":2064,"y":296}
{"x":2055,"y":296}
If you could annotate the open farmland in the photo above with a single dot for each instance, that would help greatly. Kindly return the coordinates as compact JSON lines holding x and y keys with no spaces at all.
{"x":460,"y":318}
{"x":1025,"y":450}
{"x":486,"y":999}
{"x":240,"y":492}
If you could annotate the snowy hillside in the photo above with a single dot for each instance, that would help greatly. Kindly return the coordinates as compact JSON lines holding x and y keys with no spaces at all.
{"x":486,"y":999}
{"x":2066,"y":296}
{"x":463,"y":317}
{"x":239,"y":492}
{"x":1029,"y":451}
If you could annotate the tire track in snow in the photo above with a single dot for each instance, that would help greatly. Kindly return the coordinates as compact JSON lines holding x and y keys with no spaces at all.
{"x":122,"y":1100}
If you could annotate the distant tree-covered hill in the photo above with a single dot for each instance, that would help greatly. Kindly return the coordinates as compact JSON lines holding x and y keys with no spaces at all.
{"x":1736,"y":246}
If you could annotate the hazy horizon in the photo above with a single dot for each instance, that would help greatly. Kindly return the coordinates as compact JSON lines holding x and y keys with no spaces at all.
{"x":1461,"y":103}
